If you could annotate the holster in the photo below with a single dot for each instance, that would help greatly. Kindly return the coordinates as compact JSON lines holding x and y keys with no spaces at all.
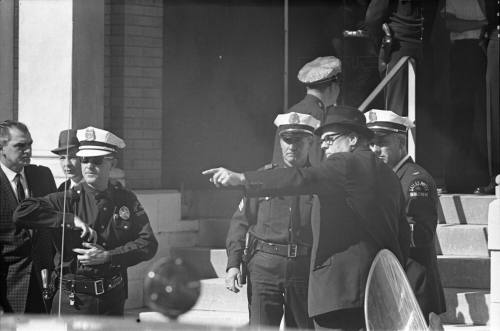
{"x":386,"y":46}
{"x":247,"y":255}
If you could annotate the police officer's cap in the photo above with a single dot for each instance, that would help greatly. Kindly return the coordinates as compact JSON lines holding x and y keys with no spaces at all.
{"x":97,"y":142}
{"x":383,"y":122}
{"x":67,"y":142}
{"x":320,"y":70}
{"x":344,"y":118}
{"x":293,"y":124}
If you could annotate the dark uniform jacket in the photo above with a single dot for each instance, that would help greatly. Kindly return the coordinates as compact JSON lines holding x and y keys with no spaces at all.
{"x":362,"y":211}
{"x":421,"y":209}
{"x":116,"y":215}
{"x":16,"y":244}
{"x":271,"y":219}
{"x":313,"y":106}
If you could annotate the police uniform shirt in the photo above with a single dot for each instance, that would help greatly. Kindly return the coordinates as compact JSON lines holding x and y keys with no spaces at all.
{"x":279,"y":219}
{"x":116,"y":215}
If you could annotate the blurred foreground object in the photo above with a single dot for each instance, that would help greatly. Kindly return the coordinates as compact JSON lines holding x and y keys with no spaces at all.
{"x":171,"y":287}
{"x":389,"y":300}
{"x":494,"y":247}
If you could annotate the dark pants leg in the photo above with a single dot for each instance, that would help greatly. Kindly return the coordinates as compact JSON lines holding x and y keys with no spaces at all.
{"x":110,"y":303}
{"x":467,"y":166}
{"x":276,"y":289}
{"x":34,"y":301}
{"x":345,"y":320}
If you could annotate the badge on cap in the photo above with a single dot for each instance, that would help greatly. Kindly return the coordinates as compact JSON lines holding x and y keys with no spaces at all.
{"x":372,"y":116}
{"x":294,"y":118}
{"x":124,"y":212}
{"x":90,"y":134}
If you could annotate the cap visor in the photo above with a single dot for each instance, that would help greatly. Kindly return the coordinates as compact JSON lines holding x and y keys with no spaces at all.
{"x":92,"y":152}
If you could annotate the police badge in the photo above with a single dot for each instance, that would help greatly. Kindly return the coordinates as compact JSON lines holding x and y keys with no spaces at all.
{"x":294,"y":118}
{"x":90,"y":134}
{"x":124,"y":213}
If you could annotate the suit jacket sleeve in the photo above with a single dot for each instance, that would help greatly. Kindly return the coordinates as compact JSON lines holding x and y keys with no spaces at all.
{"x":46,"y":212}
{"x":297,"y":181}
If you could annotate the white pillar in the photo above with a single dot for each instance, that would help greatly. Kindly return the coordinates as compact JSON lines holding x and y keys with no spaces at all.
{"x":494,"y":247}
{"x":61,"y":70}
{"x":6,"y":59}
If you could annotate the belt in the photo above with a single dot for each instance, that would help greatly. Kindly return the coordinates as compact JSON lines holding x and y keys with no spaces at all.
{"x":94,"y":287}
{"x":289,"y":250}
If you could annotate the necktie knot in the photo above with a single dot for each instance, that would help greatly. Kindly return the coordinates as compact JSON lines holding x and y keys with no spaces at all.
{"x":19,"y":187}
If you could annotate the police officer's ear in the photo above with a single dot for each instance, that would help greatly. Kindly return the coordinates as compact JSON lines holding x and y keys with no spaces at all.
{"x":353,"y":140}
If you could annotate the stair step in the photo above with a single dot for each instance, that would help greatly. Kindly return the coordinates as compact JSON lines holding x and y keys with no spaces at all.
{"x":210,"y":203}
{"x":212,"y":232}
{"x":207,"y":262}
{"x":464,"y":208}
{"x":215,"y":297}
{"x":466,"y":306}
{"x":464,"y":271}
{"x":217,"y":319}
{"x":462,"y":239}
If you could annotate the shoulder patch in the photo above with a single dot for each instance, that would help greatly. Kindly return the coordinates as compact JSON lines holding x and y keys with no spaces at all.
{"x":418,"y":188}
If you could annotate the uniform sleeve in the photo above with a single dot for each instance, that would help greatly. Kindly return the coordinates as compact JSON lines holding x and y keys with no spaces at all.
{"x":297,"y":181}
{"x":421,"y":211}
{"x":46,"y":212}
{"x":404,"y":233}
{"x":140,"y":249}
{"x":376,"y":14}
{"x":240,"y":223}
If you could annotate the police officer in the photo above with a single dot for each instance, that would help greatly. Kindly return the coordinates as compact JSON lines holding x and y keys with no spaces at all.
{"x":280,"y":239}
{"x":389,"y":144}
{"x":321,"y":78}
{"x":361,"y":212}
{"x":106,"y":231}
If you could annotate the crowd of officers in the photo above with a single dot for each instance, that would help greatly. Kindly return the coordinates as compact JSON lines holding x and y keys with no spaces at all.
{"x":67,"y":250}
{"x":311,"y":222}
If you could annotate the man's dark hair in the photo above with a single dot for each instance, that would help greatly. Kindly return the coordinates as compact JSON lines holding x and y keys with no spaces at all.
{"x":5,"y":128}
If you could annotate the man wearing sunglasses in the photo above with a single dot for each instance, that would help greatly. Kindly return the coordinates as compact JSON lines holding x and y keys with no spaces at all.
{"x":362,"y":211}
{"x":390,"y":145}
{"x":106,"y":231}
{"x":278,"y":249}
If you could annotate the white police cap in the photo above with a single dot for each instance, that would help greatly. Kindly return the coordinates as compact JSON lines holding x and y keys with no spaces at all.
{"x":320,"y":70}
{"x":97,"y":142}
{"x":296,"y":123}
{"x":386,"y":121}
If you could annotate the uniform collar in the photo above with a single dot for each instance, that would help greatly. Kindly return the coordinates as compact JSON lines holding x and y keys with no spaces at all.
{"x":316,"y":100}
{"x":401,"y":162}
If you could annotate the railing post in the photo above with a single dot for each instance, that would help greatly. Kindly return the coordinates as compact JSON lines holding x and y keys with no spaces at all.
{"x":412,"y":137}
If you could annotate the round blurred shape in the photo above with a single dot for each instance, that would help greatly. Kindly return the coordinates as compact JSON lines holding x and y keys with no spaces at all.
{"x":171,"y":287}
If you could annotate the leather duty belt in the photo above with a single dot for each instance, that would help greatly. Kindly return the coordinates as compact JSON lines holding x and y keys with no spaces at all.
{"x":289,"y":250}
{"x":93,"y":287}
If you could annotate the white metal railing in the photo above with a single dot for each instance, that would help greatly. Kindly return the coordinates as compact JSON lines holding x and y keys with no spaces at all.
{"x":405,"y":60}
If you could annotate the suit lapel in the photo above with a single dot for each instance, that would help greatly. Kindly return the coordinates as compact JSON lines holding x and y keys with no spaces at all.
{"x":7,"y":191}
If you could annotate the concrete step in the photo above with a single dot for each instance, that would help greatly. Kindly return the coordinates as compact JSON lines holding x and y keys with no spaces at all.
{"x":212,"y":232}
{"x":464,"y":271}
{"x":210,"y":203}
{"x":207,"y":262}
{"x":466,"y":306}
{"x":462,"y":239}
{"x":215,"y":297}
{"x":464,"y":208}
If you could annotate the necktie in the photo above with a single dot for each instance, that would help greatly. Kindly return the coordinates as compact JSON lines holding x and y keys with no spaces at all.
{"x":20,"y":188}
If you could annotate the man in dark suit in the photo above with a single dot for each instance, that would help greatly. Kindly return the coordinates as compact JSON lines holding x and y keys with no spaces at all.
{"x":361,"y":212}
{"x":421,"y":196}
{"x":20,"y":289}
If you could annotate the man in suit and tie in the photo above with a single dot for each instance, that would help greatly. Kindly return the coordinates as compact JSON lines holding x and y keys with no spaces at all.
{"x":70,"y":164}
{"x":20,"y":289}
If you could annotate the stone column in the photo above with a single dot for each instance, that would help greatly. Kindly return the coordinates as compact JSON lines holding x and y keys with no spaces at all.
{"x":61,"y":70}
{"x":6,"y":59}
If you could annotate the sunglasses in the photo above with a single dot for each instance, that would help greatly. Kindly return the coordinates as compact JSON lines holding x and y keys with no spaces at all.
{"x":330,"y":139}
{"x":97,"y":160}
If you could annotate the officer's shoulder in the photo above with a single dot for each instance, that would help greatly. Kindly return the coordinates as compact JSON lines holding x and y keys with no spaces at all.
{"x":122,"y":191}
{"x":419,"y":182}
{"x":414,"y":171}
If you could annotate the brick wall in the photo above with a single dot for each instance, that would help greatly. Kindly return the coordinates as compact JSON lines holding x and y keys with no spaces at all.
{"x":133,"y":85}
